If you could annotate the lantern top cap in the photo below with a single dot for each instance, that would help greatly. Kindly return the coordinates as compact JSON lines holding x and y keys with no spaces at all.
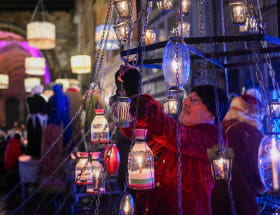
{"x":82,"y":154}
{"x":99,"y":111}
{"x":95,"y":155}
{"x":141,"y":133}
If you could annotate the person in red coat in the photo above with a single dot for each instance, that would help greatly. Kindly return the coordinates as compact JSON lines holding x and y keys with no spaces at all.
{"x":11,"y":155}
{"x":242,"y":127}
{"x":197,"y":133}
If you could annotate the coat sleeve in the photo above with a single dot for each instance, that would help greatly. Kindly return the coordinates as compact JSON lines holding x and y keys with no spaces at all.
{"x":194,"y":139}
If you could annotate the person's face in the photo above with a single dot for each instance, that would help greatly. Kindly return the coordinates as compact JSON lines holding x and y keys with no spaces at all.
{"x":195,"y":112}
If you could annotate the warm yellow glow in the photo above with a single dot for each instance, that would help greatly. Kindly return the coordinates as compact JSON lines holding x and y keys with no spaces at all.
{"x":275,"y":155}
{"x":150,"y":36}
{"x":186,"y":5}
{"x":81,"y":64}
{"x":31,"y":82}
{"x":175,"y":65}
{"x":140,"y":163}
{"x":35,"y":65}
{"x":64,"y":81}
{"x":4,"y":81}
{"x":41,"y":35}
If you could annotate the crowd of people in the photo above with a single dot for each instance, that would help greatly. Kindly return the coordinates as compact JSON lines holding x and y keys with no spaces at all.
{"x":198,"y":130}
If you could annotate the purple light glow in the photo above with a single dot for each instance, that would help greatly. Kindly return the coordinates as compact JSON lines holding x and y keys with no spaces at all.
{"x":34,"y":52}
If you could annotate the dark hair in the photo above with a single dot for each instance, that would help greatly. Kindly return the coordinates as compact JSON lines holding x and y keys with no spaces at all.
{"x":207,"y":95}
{"x":132,"y":82}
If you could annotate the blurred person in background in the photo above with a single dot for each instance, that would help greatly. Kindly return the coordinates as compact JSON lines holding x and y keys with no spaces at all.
{"x":12,"y":152}
{"x":242,"y":126}
{"x":36,"y":121}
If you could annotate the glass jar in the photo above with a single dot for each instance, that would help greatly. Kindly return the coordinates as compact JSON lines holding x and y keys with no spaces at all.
{"x":83,"y":169}
{"x":98,"y":175}
{"x":99,"y":128}
{"x":141,"y":163}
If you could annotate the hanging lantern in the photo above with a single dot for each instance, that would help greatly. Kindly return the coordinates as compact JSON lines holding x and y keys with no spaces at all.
{"x":150,"y":36}
{"x":112,"y":159}
{"x":269,"y":161}
{"x":64,"y":82}
{"x":174,"y":95}
{"x":99,"y":128}
{"x":81,"y":64}
{"x":35,"y":65}
{"x":221,"y":162}
{"x":126,"y":205}
{"x":110,"y":35}
{"x":186,"y":4}
{"x":83,"y":169}
{"x":238,"y":12}
{"x":4,"y":81}
{"x":165,"y":4}
{"x":176,"y":61}
{"x":122,"y":32}
{"x":182,"y":30}
{"x":123,"y":8}
{"x":41,"y":35}
{"x":98,"y":175}
{"x":31,"y":82}
{"x":141,"y":163}
{"x":120,"y":112}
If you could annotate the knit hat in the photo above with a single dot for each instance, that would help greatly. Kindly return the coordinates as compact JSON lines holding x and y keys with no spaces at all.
{"x":248,"y":105}
{"x":207,"y":95}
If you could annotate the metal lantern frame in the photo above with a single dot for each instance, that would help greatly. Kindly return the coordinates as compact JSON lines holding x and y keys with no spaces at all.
{"x":238,"y":13}
{"x":122,"y":32}
{"x":221,"y":162}
{"x":165,"y":4}
{"x":123,"y":7}
{"x":120,"y":112}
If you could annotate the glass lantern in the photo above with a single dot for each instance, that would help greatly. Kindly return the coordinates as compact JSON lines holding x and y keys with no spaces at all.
{"x":176,"y":63}
{"x":165,"y":4}
{"x":221,"y":162}
{"x":112,"y":159}
{"x":150,"y":36}
{"x":141,"y":163}
{"x":123,"y":8}
{"x":120,"y":112}
{"x":100,"y":128}
{"x":31,"y":82}
{"x":174,"y":95}
{"x":269,"y":161}
{"x":83,"y":169}
{"x":122,"y":32}
{"x":238,"y":13}
{"x":186,"y":4}
{"x":182,"y":29}
{"x":98,"y":175}
{"x":126,"y":205}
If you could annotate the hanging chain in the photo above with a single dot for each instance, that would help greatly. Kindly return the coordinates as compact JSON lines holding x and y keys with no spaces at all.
{"x":97,"y":203}
{"x":103,"y":49}
{"x":203,"y":68}
{"x":94,"y":74}
{"x":179,"y":144}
